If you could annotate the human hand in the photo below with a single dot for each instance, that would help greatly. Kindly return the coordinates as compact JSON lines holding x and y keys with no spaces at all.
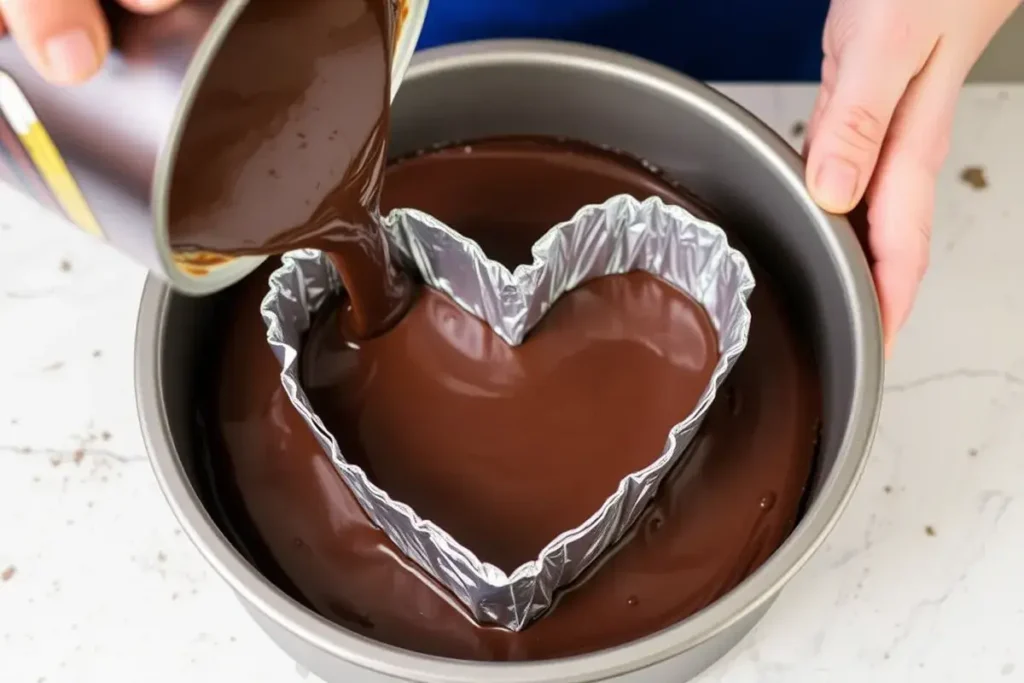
{"x":881,"y":125}
{"x":65,"y":40}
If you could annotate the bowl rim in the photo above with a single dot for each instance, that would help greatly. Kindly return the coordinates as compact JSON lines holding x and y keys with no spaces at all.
{"x":753,"y":593}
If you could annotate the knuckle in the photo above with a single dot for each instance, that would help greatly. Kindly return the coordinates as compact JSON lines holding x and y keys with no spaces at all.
{"x":861,"y":129}
{"x":909,"y":243}
{"x":896,"y":29}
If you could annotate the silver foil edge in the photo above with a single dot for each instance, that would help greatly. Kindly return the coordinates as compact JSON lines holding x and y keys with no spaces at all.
{"x":619,"y":236}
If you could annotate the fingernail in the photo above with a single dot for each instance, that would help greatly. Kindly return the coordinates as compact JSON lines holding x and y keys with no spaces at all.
{"x":151,"y":5}
{"x":71,"y":57}
{"x":836,"y":185}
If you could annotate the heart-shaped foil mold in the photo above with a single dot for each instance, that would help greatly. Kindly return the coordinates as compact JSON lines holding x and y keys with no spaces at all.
{"x":619,"y":236}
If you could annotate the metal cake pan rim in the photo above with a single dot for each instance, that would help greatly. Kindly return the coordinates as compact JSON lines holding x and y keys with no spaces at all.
{"x":759,"y":588}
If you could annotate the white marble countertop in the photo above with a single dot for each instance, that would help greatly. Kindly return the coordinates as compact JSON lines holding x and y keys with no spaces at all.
{"x":920,"y":581}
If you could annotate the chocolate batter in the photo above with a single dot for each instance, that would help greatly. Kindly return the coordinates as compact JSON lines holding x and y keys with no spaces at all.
{"x":716,"y":519}
{"x":505,"y":448}
{"x":285,"y":146}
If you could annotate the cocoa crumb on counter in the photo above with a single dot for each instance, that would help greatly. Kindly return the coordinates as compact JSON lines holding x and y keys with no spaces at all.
{"x":887,"y":488}
{"x":972,"y":452}
{"x":8,"y":573}
{"x":930,"y":530}
{"x":105,"y":435}
{"x":798,"y":129}
{"x":78,"y":456}
{"x":65,"y":266}
{"x":975,"y":177}
{"x":97,"y":353}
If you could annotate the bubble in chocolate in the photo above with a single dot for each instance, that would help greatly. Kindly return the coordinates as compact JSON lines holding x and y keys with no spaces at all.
{"x":632,"y":601}
{"x":767,"y":501}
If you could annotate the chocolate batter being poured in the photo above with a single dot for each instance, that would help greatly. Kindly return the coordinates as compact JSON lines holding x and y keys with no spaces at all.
{"x":285,"y":147}
{"x":291,"y":156}
{"x":716,"y":519}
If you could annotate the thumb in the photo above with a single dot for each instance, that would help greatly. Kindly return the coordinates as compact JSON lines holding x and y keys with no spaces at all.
{"x":65,"y":40}
{"x":867,"y":87}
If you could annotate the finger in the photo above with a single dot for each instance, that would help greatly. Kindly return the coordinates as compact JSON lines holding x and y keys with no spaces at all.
{"x":820,"y":102}
{"x":148,"y":6}
{"x":66,"y":40}
{"x":828,"y":81}
{"x":902,"y":195}
{"x":870,"y":80}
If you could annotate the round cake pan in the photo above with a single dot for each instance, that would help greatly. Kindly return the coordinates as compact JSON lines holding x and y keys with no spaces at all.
{"x":700,"y":138}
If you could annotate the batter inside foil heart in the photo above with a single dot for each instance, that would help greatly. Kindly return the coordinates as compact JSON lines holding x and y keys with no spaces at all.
{"x":633,"y":313}
{"x":449,"y":418}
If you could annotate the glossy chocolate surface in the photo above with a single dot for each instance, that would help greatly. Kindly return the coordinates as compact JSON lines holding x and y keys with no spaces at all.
{"x":507,"y":447}
{"x":716,"y":519}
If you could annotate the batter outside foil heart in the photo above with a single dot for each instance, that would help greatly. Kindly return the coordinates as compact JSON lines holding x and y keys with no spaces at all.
{"x":618,"y":236}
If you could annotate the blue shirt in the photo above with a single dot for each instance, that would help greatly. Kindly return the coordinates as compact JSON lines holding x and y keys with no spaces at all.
{"x":737,"y":40}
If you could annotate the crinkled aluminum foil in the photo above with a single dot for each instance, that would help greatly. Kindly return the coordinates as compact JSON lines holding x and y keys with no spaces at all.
{"x":619,"y":236}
